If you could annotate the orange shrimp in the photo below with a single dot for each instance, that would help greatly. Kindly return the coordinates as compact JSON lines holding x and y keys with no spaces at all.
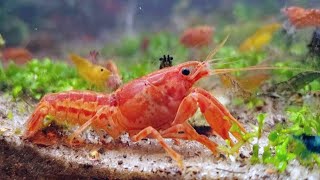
{"x":157,"y":105}
{"x":18,"y":55}
{"x":301,"y":18}
{"x":197,"y":37}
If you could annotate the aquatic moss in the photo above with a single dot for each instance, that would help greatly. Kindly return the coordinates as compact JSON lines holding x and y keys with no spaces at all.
{"x":284,"y":145}
{"x":42,"y":76}
{"x":39,"y":77}
{"x":284,"y":142}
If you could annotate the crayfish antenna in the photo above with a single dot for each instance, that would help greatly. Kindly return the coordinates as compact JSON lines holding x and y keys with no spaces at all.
{"x":215,"y":50}
{"x":254,"y":68}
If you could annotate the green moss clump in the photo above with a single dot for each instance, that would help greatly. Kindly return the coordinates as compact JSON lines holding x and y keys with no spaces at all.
{"x":284,"y":145}
{"x":39,"y":77}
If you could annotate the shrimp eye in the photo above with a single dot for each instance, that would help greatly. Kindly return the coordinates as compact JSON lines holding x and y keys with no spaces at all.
{"x":101,"y":70}
{"x":185,"y":71}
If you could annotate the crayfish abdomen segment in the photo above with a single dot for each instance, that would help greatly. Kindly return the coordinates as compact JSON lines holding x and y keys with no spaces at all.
{"x":70,"y":107}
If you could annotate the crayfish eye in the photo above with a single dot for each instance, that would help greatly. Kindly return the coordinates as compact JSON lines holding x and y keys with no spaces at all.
{"x":185,"y":71}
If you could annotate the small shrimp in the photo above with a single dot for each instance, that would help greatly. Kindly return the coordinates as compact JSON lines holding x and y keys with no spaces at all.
{"x":197,"y":37}
{"x":94,"y":74}
{"x":302,"y":18}
{"x":260,"y":38}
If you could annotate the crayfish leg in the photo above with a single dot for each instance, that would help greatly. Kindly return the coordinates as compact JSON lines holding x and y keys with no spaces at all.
{"x":218,"y":117}
{"x":77,"y":133}
{"x":187,"y":132}
{"x":156,"y":135}
{"x":102,"y":120}
{"x":224,"y":110}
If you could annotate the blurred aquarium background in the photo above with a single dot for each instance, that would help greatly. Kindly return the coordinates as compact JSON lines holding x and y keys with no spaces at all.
{"x":50,"y":28}
{"x":38,"y":37}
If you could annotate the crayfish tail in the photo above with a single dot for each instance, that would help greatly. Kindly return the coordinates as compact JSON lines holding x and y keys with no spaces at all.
{"x":35,"y":122}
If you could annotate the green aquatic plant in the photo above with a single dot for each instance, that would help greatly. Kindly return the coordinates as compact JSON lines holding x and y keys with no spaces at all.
{"x":166,"y":44}
{"x":284,"y":146}
{"x":128,"y":47}
{"x":295,"y":83}
{"x":284,"y":143}
{"x":148,"y":47}
{"x":136,"y":70}
{"x":246,"y":137}
{"x":232,"y":58}
{"x":257,"y":133}
{"x":39,"y":77}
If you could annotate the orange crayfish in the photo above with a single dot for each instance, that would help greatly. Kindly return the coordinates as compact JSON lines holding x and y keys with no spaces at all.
{"x":157,"y":105}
